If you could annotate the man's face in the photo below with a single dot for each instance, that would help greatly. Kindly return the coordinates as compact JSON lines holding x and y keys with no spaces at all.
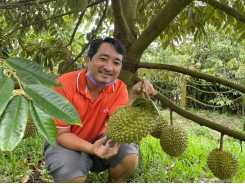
{"x":106,"y":64}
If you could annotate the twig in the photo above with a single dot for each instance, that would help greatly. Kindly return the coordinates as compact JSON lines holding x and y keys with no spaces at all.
{"x":75,"y":29}
{"x":171,"y":117}
{"x":221,"y":142}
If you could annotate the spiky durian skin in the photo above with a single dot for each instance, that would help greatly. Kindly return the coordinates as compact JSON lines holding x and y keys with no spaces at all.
{"x":129,"y":125}
{"x":30,"y":128}
{"x":174,"y":140}
{"x":222,"y":164}
{"x":149,"y":106}
{"x":160,"y":123}
{"x":77,"y":5}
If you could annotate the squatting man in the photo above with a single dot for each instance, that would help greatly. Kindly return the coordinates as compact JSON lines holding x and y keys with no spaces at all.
{"x":96,"y":93}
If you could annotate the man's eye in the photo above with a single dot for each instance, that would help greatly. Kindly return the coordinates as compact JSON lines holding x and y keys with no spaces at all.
{"x":117,"y":63}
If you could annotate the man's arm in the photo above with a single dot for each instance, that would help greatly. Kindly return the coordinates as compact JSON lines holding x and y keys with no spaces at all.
{"x":71,"y":141}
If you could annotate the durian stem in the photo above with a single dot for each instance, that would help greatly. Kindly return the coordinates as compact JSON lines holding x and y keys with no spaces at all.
{"x":171,"y":118}
{"x":144,"y":90}
{"x":221,"y":142}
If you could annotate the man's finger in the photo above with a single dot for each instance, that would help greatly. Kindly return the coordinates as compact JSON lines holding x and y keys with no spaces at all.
{"x":117,"y":145}
{"x":155,"y":92}
{"x":107,"y":145}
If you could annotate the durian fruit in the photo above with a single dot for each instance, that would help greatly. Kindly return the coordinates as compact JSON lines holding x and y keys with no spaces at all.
{"x":129,"y":124}
{"x":77,"y":5}
{"x":149,"y":106}
{"x":160,"y":123}
{"x":174,"y":140}
{"x":222,"y":164}
{"x":30,"y":128}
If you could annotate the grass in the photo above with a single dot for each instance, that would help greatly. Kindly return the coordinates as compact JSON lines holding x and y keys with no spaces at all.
{"x":26,"y":164}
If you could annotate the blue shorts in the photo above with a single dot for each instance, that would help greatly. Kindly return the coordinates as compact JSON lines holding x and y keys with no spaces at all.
{"x":64,"y":164}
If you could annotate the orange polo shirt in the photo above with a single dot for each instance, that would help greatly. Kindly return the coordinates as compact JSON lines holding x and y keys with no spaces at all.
{"x":94,"y":114}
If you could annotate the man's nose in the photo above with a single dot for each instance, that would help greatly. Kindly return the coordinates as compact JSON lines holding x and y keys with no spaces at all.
{"x":108,"y":66}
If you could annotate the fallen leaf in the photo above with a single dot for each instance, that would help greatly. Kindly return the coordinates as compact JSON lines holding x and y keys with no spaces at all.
{"x":25,"y":178}
{"x":32,"y":166}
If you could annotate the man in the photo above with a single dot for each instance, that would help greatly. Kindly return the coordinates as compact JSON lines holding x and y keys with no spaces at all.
{"x":96,"y":93}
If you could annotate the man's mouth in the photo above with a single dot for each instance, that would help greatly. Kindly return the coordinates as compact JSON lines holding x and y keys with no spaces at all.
{"x":106,"y":73}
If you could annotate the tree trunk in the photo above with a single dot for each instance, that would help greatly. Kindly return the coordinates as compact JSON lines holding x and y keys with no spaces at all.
{"x":183,"y":92}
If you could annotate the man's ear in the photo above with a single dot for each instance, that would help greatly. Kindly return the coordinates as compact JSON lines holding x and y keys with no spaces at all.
{"x":87,"y":59}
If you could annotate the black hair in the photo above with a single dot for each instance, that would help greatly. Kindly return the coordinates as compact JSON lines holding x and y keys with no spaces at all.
{"x":94,"y":46}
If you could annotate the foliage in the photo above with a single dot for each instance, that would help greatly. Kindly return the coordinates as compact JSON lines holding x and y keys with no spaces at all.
{"x":36,"y":98}
{"x":49,"y":33}
{"x":219,"y":55}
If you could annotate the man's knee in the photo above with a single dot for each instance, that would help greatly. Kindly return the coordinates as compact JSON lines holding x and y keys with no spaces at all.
{"x":130,"y":161}
{"x":124,"y":169}
{"x":126,"y":166}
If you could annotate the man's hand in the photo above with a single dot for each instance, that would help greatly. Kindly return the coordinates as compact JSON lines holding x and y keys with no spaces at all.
{"x":140,"y":89}
{"x":104,"y":151}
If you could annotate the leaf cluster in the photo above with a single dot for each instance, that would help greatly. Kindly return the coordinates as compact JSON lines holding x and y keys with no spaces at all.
{"x":34,"y":98}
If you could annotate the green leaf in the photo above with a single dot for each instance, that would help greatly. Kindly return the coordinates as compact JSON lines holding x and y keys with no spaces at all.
{"x":191,"y":15}
{"x":6,"y":89}
{"x":44,"y":123}
{"x":221,"y":103}
{"x":138,"y":101}
{"x":13,"y":122}
{"x":141,"y":102}
{"x":172,"y":46}
{"x":47,"y":79}
{"x":53,"y":103}
{"x":26,"y":78}
{"x":165,"y":45}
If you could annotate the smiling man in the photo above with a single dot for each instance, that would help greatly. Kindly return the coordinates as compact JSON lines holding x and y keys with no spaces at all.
{"x":96,"y":93}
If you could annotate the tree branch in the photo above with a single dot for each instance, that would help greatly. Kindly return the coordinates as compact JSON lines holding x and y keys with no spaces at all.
{"x":201,"y":121}
{"x":120,"y":22}
{"x":228,"y":10}
{"x":76,"y":27}
{"x":91,"y":39}
{"x":193,"y":73}
{"x":16,"y":4}
{"x":45,"y":1}
{"x":157,"y":26}
{"x":204,"y":104}
{"x":210,"y":92}
{"x":27,"y":25}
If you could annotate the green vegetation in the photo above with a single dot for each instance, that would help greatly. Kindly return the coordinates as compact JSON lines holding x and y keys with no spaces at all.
{"x":25,"y":162}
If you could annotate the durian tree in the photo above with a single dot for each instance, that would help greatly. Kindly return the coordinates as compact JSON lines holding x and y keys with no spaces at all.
{"x":42,"y":38}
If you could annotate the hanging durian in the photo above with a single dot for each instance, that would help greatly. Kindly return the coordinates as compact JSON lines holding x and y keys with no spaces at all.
{"x":160,"y":123}
{"x":148,"y":105}
{"x":174,"y":140}
{"x":222,"y":163}
{"x":30,"y":128}
{"x":129,"y":124}
{"x":77,"y":5}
